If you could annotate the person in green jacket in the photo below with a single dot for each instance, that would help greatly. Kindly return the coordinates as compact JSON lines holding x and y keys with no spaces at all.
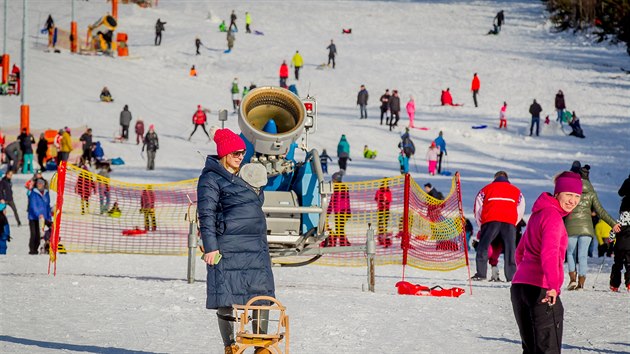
{"x":580,"y":229}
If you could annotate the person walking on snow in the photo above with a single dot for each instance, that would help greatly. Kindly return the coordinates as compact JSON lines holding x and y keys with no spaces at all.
{"x":323,"y":160}
{"x":343,"y":152}
{"x":535,"y":110}
{"x":152,"y":144}
{"x":403,"y":161}
{"x":560,"y":106}
{"x":297,"y":63}
{"x":411,"y":111}
{"x":432,"y":157}
{"x":198,"y":44}
{"x":499,"y":206}
{"x":248,"y":22}
{"x":284,"y":74}
{"x":39,"y":213}
{"x":499,"y":19}
{"x":406,"y":144}
{"x":535,"y":290}
{"x":503,"y":116}
{"x":125,"y":120}
{"x":362,"y":101}
{"x":139,"y":131}
{"x":394,"y":108}
{"x":474,"y":87}
{"x":441,"y":144}
{"x":236,"y":98}
{"x":233,"y":23}
{"x":6,"y":194}
{"x":26,"y":146}
{"x":332,"y":53}
{"x":159,"y":28}
{"x":42,"y":150}
{"x":385,"y":106}
{"x":199,"y":120}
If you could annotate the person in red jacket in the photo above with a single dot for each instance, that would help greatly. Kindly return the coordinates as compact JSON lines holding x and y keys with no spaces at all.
{"x":139,"y":131}
{"x":474,"y":87}
{"x":284,"y":74}
{"x":383,"y":198}
{"x":199,"y":120}
{"x":499,"y":206}
{"x":539,"y":273}
{"x":447,"y":99}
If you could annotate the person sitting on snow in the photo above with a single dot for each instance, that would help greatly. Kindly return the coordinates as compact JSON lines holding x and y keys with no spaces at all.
{"x":369,"y":154}
{"x":222,"y":27}
{"x":97,"y":151}
{"x":447,"y":99}
{"x":106,"y":96}
{"x":575,"y":126}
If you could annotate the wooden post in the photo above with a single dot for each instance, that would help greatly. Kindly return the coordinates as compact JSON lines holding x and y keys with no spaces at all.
{"x":370,"y":253}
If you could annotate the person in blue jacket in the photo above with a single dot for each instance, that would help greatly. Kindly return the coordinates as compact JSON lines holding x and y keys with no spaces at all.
{"x":5,"y":230}
{"x":233,"y":225}
{"x":441,"y":144}
{"x":38,"y":212}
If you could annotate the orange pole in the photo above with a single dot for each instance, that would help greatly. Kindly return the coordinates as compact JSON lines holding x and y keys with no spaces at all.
{"x":115,"y":9}
{"x":74,"y":36}
{"x":5,"y":68}
{"x":25,"y":120}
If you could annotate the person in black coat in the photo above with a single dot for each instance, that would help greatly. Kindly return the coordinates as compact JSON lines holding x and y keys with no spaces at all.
{"x":535,"y":110}
{"x":332,"y":53}
{"x":198,"y":45}
{"x":42,"y":149}
{"x":86,"y":145}
{"x":159,"y":28}
{"x":385,"y":106}
{"x":6,"y":194}
{"x":560,"y":105}
{"x":26,"y":146}
{"x":362,"y":101}
{"x":624,"y":193}
{"x":233,"y":225}
{"x":152,"y":144}
{"x":394,"y":108}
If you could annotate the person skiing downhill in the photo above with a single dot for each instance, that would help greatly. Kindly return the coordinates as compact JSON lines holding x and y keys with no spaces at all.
{"x":199,"y":120}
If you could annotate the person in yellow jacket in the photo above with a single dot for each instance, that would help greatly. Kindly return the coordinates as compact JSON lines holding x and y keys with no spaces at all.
{"x":248,"y":21}
{"x":602,"y":231}
{"x":66,"y":145}
{"x":297,"y":63}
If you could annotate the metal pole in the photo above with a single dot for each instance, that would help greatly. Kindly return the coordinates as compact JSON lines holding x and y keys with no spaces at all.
{"x":24,"y":50}
{"x":370,"y":252}
{"x":4,"y":41}
{"x":73,"y":18}
{"x":192,"y":250}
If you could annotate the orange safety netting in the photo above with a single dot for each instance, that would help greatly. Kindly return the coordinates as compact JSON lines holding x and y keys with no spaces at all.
{"x":95,"y":214}
{"x":432,"y":238}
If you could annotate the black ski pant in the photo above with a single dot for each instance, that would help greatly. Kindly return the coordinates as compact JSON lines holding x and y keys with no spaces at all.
{"x":203,"y":126}
{"x":197,"y":51}
{"x":622,"y":259}
{"x":343,"y":163}
{"x":247,"y":29}
{"x":384,"y":113}
{"x":331,"y":58}
{"x":475,"y":92}
{"x":439,"y":164}
{"x":488,"y":232}
{"x":40,"y":161}
{"x":11,"y":203}
{"x":539,"y":324}
{"x":297,"y":72}
{"x":33,"y":243}
{"x":158,"y":38}
{"x":394,"y":122}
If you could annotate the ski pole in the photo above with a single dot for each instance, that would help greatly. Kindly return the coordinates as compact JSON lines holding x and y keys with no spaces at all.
{"x":600,"y":270}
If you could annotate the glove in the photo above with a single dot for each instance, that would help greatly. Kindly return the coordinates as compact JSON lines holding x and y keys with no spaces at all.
{"x":9,"y":239}
{"x":474,"y":244}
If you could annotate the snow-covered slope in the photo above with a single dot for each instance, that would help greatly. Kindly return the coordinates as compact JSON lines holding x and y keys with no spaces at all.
{"x":111,"y":303}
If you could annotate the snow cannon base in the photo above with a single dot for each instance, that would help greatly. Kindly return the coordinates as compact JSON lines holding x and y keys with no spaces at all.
{"x":406,"y":288}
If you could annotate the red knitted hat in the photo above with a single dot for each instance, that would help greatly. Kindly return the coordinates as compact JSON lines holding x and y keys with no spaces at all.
{"x":227,"y":142}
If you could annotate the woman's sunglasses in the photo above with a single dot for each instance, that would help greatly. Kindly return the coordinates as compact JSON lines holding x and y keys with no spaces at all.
{"x":238,"y":153}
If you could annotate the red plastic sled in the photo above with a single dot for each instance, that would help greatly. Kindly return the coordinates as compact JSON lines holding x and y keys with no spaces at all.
{"x":134,"y":232}
{"x":406,"y":288}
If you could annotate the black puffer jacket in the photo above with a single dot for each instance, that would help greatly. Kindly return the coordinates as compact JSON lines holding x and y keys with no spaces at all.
{"x":232,"y":221}
{"x":624,"y":193}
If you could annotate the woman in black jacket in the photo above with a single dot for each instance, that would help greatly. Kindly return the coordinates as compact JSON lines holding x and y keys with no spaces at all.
{"x":42,"y":148}
{"x":234,"y":234}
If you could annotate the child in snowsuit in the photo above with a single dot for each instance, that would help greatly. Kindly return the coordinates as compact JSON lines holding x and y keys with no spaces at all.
{"x":503,"y":116}
{"x":323,"y":160}
{"x":236,"y":99}
{"x":622,"y":253}
{"x":369,"y":154}
{"x":432,"y":157}
{"x":383,"y":200}
{"x":403,"y":160}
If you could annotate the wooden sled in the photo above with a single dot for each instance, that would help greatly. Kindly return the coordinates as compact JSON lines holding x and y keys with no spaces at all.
{"x":274,"y":336}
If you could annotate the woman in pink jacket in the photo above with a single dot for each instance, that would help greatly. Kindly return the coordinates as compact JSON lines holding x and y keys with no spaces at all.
{"x":503,"y":116}
{"x":539,"y":267}
{"x":411,"y":111}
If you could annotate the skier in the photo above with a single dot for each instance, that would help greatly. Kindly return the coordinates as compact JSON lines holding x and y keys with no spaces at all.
{"x":503,"y":116}
{"x":407,"y":144}
{"x":411,"y":110}
{"x":193,"y":71}
{"x":39,"y":212}
{"x":332,"y":53}
{"x":535,"y":110}
{"x":26,"y":146}
{"x":560,"y":106}
{"x":159,"y":28}
{"x":248,"y":22}
{"x":622,"y":253}
{"x":394,"y":108}
{"x":297,"y":63}
{"x":84,"y":188}
{"x":125,"y":120}
{"x":383,"y":198}
{"x":441,"y":144}
{"x":14,"y":156}
{"x":343,"y":152}
{"x":102,"y":185}
{"x":474,"y":87}
{"x":152,"y":144}
{"x":106,"y":96}
{"x":139,"y":131}
{"x":233,"y":23}
{"x":385,"y":106}
{"x":432,"y":156}
{"x":362,"y":101}
{"x":323,"y":160}
{"x":6,"y":194}
{"x":540,"y":268}
{"x":284,"y":74}
{"x":236,"y":99}
{"x":403,"y":160}
{"x":50,"y":28}
{"x":498,"y":208}
{"x":199,"y":120}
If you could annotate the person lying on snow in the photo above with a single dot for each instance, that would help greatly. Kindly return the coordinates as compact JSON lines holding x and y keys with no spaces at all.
{"x":369,"y":154}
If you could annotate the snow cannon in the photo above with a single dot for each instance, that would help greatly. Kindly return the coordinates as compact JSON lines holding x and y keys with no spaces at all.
{"x":272,"y":119}
{"x":101,"y":33}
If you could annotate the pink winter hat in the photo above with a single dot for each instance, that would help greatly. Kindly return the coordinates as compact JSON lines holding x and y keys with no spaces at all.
{"x":568,"y":182}
{"x":227,"y":142}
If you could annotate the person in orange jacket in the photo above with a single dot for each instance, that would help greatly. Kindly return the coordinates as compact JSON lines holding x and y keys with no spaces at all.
{"x":193,"y":71}
{"x":474,"y":87}
{"x":284,"y":74}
